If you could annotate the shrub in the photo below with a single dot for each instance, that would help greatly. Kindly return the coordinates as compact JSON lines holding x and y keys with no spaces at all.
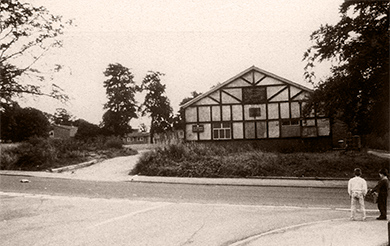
{"x":200,"y":160}
{"x":114,"y":143}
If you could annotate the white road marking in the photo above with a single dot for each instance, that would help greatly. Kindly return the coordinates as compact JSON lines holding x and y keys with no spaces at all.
{"x":126,"y":216}
{"x":166,"y":203}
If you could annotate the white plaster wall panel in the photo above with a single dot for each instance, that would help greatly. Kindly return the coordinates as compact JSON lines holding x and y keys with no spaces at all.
{"x":250,"y":130}
{"x":284,"y":111}
{"x":204,"y":113}
{"x":190,"y":114}
{"x":261,"y":128}
{"x":272,"y":90}
{"x":238,"y":130}
{"x":323,"y":127}
{"x":206,"y":134}
{"x":258,"y":76}
{"x":294,"y":91}
{"x":216,"y":96}
{"x":248,"y":77}
{"x":226,"y":113}
{"x":282,"y":96}
{"x":309,"y":122}
{"x":206,"y":101}
{"x":216,"y":113}
{"x":237,"y":93}
{"x":262,"y":110}
{"x":189,"y":134}
{"x":295,"y":110}
{"x":238,"y":83}
{"x":270,"y":81}
{"x":237,"y":112}
{"x":273,"y":111}
{"x":226,"y":99}
{"x":273,"y":129}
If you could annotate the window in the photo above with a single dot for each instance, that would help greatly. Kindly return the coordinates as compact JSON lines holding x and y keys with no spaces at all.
{"x":254,"y":112}
{"x":221,"y":130}
{"x":291,"y":128}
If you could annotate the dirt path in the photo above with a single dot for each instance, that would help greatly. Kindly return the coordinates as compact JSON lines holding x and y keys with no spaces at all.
{"x":110,"y":170}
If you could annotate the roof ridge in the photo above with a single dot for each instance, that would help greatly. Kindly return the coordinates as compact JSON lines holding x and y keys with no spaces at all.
{"x":220,"y":85}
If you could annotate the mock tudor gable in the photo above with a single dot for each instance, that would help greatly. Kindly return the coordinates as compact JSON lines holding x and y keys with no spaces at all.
{"x":254,"y":104}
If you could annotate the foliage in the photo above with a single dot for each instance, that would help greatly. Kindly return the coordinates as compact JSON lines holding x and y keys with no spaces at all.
{"x":121,"y":106}
{"x":115,"y":143}
{"x":156,"y":103}
{"x":63,"y":117}
{"x":357,"y":91}
{"x":178,"y":120}
{"x":18,"y":124}
{"x":27,"y":33}
{"x":87,"y":130}
{"x":46,"y":153}
{"x":199,"y":160}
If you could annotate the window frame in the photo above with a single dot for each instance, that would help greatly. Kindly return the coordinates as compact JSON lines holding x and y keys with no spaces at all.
{"x":222,"y":130}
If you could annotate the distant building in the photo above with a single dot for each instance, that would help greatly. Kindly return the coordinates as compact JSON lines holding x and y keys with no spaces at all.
{"x":62,"y":131}
{"x":137,"y":138}
{"x":255,"y":105}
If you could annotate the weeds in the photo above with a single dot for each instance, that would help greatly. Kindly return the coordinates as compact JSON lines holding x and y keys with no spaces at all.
{"x":41,"y":153}
{"x":200,"y":160}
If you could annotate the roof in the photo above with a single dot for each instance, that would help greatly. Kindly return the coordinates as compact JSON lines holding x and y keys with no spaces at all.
{"x":65,"y":127}
{"x":138,"y":134}
{"x":253,"y":68}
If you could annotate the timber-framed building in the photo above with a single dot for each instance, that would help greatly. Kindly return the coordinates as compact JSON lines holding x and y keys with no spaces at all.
{"x":254,"y":105}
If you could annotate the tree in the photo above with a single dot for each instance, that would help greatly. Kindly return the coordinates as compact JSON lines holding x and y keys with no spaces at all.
{"x":19,"y":124}
{"x":63,"y":117}
{"x":156,"y":104}
{"x":143,"y":127}
{"x":357,"y":91}
{"x":121,"y":106}
{"x":178,"y":120}
{"x":27,"y":33}
{"x":87,"y":130}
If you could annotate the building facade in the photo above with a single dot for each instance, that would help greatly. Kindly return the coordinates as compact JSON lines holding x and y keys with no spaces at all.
{"x":137,"y":137}
{"x":62,"y":131}
{"x":253,"y":105}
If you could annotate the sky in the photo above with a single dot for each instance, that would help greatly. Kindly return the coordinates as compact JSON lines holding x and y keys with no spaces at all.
{"x":196,"y":44}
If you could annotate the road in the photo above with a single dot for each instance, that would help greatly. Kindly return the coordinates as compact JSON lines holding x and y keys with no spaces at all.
{"x":50,"y":211}
{"x":246,"y":195}
{"x":86,"y":207}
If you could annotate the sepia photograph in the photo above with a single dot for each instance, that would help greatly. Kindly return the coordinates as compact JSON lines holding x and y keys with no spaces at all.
{"x":194,"y":122}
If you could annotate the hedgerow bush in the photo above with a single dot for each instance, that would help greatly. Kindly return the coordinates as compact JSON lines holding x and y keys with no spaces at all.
{"x":45,"y":153}
{"x":200,"y":160}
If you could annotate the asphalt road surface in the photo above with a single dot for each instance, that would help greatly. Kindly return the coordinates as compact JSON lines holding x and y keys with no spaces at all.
{"x":248,"y":195}
{"x":77,"y":212}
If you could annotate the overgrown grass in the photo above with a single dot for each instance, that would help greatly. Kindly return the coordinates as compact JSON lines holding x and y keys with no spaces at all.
{"x":199,"y":160}
{"x":42,"y":154}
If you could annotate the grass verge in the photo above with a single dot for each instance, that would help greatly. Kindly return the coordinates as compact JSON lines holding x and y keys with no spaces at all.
{"x":198,"y":160}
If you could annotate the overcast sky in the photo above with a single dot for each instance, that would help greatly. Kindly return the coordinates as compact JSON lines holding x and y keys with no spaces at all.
{"x":197,"y":44}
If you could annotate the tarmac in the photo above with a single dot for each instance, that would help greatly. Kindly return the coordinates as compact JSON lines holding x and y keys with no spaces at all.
{"x":333,"y":232}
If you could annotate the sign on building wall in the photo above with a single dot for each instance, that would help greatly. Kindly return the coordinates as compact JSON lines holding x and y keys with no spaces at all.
{"x":197,"y":128}
{"x":254,"y":95}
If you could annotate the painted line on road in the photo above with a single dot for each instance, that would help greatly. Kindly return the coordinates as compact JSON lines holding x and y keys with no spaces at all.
{"x":31,"y":195}
{"x":127,"y":215}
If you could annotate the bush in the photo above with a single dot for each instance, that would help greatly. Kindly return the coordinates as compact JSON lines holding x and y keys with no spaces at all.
{"x":199,"y":160}
{"x":114,"y":143}
{"x":45,"y":153}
